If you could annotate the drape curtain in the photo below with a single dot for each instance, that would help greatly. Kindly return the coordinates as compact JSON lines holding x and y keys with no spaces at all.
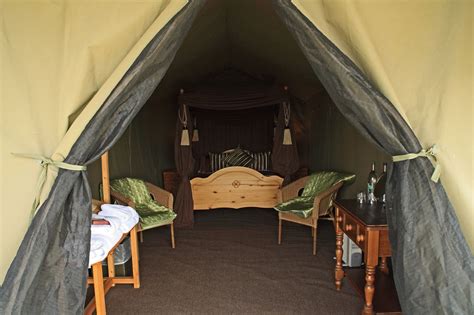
{"x":432,"y":263}
{"x":285,"y":160}
{"x":48,"y":274}
{"x":232,"y":97}
{"x":183,"y":156}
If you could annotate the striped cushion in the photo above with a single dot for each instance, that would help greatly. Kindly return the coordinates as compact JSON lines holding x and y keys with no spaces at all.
{"x":261,"y":161}
{"x":217,"y":161}
{"x":238,"y":158}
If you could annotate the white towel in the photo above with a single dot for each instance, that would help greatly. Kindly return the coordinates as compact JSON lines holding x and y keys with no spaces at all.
{"x":104,"y":237}
{"x":97,"y":217}
{"x":101,"y":244}
{"x":114,"y":226}
{"x":128,"y":216}
{"x":119,"y":211}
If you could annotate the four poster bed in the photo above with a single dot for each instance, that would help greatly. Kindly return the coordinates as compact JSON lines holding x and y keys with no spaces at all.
{"x":233,"y":146}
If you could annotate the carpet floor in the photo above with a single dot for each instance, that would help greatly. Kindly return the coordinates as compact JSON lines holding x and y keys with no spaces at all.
{"x":230,"y":263}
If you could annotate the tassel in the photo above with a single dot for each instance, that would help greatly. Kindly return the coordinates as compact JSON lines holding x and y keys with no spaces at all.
{"x":287,"y":137}
{"x":195,"y":135}
{"x":185,"y":137}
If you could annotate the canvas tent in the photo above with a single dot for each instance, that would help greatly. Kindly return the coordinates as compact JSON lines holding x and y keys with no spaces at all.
{"x":417,"y":54}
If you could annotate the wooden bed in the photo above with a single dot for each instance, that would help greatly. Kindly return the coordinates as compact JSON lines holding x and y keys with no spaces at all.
{"x":236,"y":187}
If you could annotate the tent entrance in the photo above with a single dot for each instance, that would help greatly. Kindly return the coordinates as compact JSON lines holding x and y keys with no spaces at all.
{"x":419,"y":208}
{"x":263,"y":49}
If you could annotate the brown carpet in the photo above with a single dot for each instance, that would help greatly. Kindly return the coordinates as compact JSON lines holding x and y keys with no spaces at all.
{"x":230,"y":263}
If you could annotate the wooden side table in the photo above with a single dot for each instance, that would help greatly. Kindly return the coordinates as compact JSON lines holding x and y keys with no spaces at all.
{"x":366,"y":225}
{"x":171,"y":180}
{"x":103,"y":284}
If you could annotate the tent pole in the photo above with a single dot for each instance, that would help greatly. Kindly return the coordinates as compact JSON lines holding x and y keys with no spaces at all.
{"x":105,"y":177}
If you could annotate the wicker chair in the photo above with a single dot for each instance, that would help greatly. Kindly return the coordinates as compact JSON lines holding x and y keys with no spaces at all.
{"x":153,"y":204}
{"x":322,"y":206}
{"x":95,"y":205}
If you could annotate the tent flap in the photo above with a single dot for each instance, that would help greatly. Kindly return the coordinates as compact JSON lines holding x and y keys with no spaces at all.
{"x":423,"y":225}
{"x":419,"y":55}
{"x":48,"y":275}
{"x":53,"y":62}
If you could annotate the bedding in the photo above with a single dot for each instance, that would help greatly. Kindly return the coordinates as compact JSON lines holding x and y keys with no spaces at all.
{"x":238,"y":157}
{"x":217,"y":162}
{"x":260,"y":161}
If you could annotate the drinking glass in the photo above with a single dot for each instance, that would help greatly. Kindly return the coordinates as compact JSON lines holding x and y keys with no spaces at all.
{"x":361,"y":197}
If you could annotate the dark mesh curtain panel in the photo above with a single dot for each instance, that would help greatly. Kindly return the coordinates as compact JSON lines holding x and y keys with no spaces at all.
{"x":433,"y":265}
{"x":285,"y":159}
{"x":183,"y":157}
{"x":48,"y":274}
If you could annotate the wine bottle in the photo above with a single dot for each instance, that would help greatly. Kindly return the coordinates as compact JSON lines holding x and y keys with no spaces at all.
{"x":380,"y":186}
{"x":371,"y":185}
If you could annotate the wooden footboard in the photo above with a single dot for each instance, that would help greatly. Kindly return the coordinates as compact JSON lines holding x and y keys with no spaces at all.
{"x":236,"y":187}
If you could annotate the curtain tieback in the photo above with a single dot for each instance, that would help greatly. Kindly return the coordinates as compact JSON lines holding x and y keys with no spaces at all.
{"x":430,"y":154}
{"x":45,"y":163}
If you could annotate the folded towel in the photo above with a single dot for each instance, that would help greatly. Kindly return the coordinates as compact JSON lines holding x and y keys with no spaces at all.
{"x":101,"y":244}
{"x":129,"y":224}
{"x":96,"y":256}
{"x":128,"y":216}
{"x":96,"y":216}
{"x":105,"y":230}
{"x":104,"y":237}
{"x":119,"y":211}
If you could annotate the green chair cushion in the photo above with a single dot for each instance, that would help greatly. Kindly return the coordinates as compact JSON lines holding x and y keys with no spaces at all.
{"x":321,"y":181}
{"x":317,"y":183}
{"x":132,"y":188}
{"x":301,"y":206}
{"x":151,"y":213}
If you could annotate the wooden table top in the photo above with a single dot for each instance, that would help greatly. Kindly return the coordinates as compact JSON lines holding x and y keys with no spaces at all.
{"x":374,"y":215}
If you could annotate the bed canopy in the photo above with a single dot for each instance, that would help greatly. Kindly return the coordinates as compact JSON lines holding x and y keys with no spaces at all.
{"x":230,"y":110}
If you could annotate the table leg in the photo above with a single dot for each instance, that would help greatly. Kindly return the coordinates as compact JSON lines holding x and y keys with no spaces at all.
{"x":134,"y":250}
{"x":383,"y":265}
{"x":279,"y":231}
{"x":338,"y":272}
{"x":111,"y":265}
{"x":369,"y":290}
{"x":99,"y":292}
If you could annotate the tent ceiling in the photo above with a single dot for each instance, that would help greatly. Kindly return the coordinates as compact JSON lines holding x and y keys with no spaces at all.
{"x":246,"y":35}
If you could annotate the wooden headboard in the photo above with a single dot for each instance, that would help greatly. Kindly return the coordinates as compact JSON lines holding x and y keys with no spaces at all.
{"x":236,"y":187}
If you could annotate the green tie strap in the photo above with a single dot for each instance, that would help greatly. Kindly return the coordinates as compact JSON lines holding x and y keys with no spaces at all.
{"x":430,"y":154}
{"x":45,"y":163}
